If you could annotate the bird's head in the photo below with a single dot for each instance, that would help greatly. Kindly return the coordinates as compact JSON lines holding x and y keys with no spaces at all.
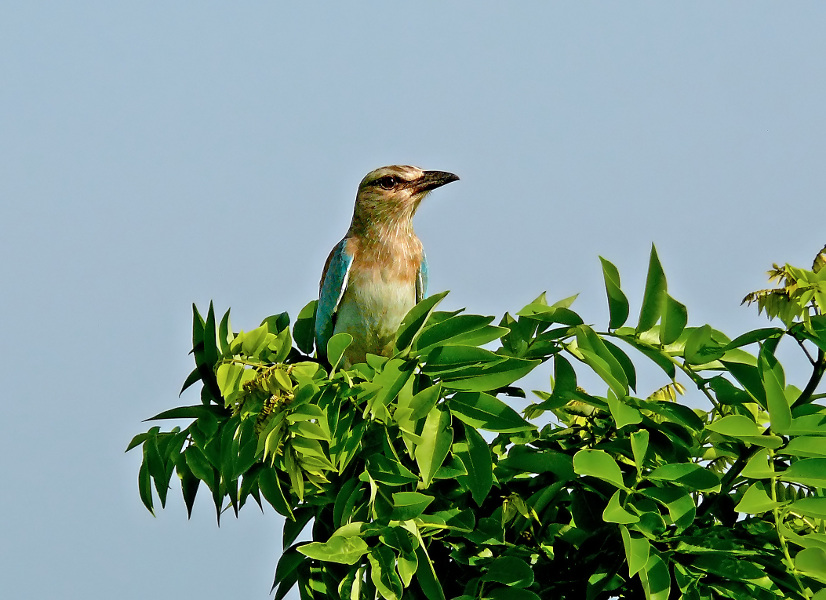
{"x":390,"y":195}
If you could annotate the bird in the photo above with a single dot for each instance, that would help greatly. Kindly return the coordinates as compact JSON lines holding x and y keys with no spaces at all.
{"x":378,"y":271}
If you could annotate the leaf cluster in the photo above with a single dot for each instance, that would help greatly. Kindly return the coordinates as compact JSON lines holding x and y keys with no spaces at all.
{"x":420,"y":481}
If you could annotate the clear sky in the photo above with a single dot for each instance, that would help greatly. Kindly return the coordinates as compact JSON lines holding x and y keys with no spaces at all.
{"x":154,"y":154}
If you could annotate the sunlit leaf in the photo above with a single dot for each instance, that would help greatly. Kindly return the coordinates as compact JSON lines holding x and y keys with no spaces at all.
{"x":415,"y":320}
{"x":756,"y":500}
{"x":639,"y":447}
{"x":810,"y":507}
{"x":656,"y":580}
{"x":409,"y":505}
{"x":336,"y":347}
{"x":774,"y":384}
{"x":623,"y":413}
{"x":674,"y":320}
{"x":617,"y":302}
{"x":655,"y":289}
{"x":637,"y":549}
{"x":807,"y":471}
{"x":700,"y":347}
{"x":510,"y":571}
{"x":615,"y":513}
{"x":599,"y":464}
{"x":338,"y":549}
{"x":437,"y":436}
{"x":484,"y":411}
{"x":690,"y":475}
{"x":477,"y":461}
{"x":812,"y":561}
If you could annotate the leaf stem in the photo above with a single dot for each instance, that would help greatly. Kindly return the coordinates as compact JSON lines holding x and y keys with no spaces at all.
{"x":819,"y":368}
{"x":777,"y":523}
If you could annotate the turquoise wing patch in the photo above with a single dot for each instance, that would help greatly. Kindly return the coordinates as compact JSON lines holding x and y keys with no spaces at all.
{"x":421,"y":280}
{"x":332,"y":289}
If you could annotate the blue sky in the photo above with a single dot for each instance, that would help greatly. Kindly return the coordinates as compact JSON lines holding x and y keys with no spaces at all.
{"x":158,"y":154}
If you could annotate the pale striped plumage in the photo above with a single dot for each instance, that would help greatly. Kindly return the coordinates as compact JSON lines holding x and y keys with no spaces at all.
{"x":378,"y":272}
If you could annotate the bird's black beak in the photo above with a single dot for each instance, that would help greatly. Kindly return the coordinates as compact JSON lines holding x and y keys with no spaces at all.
{"x":431,"y":180}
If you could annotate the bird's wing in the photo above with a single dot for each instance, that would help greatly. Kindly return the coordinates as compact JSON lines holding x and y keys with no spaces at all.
{"x":421,"y":279}
{"x":331,"y":289}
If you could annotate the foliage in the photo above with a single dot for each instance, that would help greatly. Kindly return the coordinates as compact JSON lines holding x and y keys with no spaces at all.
{"x":420,"y":480}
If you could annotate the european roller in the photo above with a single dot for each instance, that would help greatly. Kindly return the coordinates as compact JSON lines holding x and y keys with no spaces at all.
{"x":378,"y":272}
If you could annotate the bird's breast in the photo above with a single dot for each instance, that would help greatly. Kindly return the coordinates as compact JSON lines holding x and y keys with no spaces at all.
{"x":376,"y":300}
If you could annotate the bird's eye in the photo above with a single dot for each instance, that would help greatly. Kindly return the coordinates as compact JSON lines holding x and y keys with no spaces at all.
{"x":387,"y":183}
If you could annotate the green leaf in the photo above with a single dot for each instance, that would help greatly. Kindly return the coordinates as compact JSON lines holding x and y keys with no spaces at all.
{"x":510,"y":571}
{"x":210,"y":347}
{"x":657,"y":356}
{"x":423,"y":402}
{"x":188,"y":412}
{"x":622,"y":413}
{"x":780,"y":414}
{"x":678,"y":501}
{"x":394,"y":375}
{"x":383,"y":573}
{"x":807,"y":471}
{"x":145,"y":487}
{"x":674,"y":320}
{"x":564,"y":382}
{"x":389,"y":472}
{"x":479,"y":465}
{"x":624,"y":362}
{"x":812,"y":561}
{"x":491,"y":376}
{"x":599,"y":464}
{"x":336,"y":347}
{"x":810,"y":507}
{"x":758,"y":466}
{"x":749,"y":377}
{"x":483,"y":411}
{"x":270,"y":486}
{"x":617,"y":302}
{"x":345,"y":550}
{"x":597,"y":356}
{"x":756,"y":501}
{"x":758,"y":335}
{"x":206,"y":354}
{"x":700,"y":347}
{"x":614,"y":513}
{"x":655,"y":289}
{"x":510,"y":593}
{"x":808,"y":425}
{"x":459,"y":326}
{"x":446,"y":359}
{"x":736,"y":426}
{"x":550,"y":314}
{"x":407,"y":566}
{"x":522,"y":458}
{"x":426,"y":576}
{"x":689,"y":475}
{"x":655,"y":578}
{"x":415,"y":320}
{"x":255,"y":341}
{"x":806,"y":445}
{"x":304,"y":328}
{"x":437,"y":437}
{"x":189,"y":483}
{"x":409,"y":505}
{"x":637,"y":549}
{"x":639,"y":447}
{"x":192,"y":378}
{"x":199,"y":465}
{"x":228,"y":376}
